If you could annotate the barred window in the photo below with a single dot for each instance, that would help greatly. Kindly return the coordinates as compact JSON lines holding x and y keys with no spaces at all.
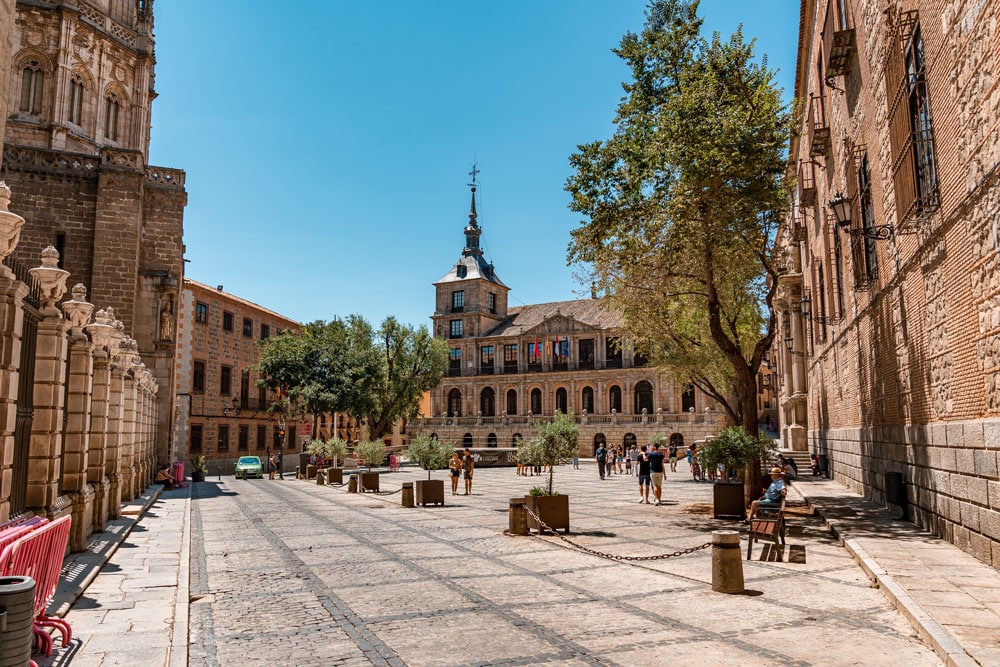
{"x":195,"y":444}
{"x":244,"y":438}
{"x":868,"y":266}
{"x":223,"y":438}
{"x":911,"y":129}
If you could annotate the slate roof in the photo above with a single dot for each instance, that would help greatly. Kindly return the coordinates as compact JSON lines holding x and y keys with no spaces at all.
{"x":521,"y":319}
{"x":475,"y":267}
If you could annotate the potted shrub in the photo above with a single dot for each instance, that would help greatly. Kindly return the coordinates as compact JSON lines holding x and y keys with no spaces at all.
{"x":732,"y":451}
{"x":317,"y":449}
{"x":554,"y":444}
{"x":371,"y":453}
{"x":198,"y":469}
{"x":430,"y":454}
{"x":335,"y":451}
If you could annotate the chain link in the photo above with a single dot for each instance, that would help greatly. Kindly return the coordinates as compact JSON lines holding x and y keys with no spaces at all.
{"x":600,"y":554}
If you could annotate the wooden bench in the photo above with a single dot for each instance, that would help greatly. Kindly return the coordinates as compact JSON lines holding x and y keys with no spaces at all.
{"x":767,"y":524}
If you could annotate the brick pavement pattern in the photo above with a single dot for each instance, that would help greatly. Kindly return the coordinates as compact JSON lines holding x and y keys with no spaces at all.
{"x":295,"y":573}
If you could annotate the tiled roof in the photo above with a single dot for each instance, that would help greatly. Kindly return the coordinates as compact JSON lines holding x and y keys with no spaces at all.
{"x":475,"y":267}
{"x":522,"y":319}
{"x":240,"y":300}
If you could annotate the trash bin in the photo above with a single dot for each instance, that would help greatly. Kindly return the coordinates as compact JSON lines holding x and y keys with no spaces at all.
{"x":895,"y":492}
{"x":17,"y":600}
{"x":408,"y":494}
{"x":352,"y":484}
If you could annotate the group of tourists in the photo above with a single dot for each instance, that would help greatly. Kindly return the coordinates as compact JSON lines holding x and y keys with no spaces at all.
{"x":461,"y":466}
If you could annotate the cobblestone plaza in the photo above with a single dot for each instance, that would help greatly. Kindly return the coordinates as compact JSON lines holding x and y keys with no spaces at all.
{"x":294,"y":573}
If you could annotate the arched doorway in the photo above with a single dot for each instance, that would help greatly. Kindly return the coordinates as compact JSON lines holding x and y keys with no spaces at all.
{"x":599,"y":440}
{"x":562,"y":401}
{"x":455,"y":403}
{"x":467,"y":440}
{"x":487,"y":402}
{"x":677,"y":440}
{"x":515,"y":440}
{"x":512,"y":401}
{"x":536,"y":401}
{"x":587,"y":400}
{"x":615,"y":399}
{"x":687,"y":398}
{"x":643,"y":397}
{"x":629,"y":440}
{"x":491,"y":440}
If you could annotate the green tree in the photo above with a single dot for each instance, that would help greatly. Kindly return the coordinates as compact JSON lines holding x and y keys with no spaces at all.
{"x":682,"y":202}
{"x":429,"y":453}
{"x":554,"y":444}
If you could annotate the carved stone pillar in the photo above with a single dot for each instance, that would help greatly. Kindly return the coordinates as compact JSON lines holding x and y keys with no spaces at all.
{"x":12,"y":293}
{"x":76,"y":444}
{"x":44,"y":458}
{"x":112,"y":461}
{"x":100,"y":333}
{"x":128,"y":431}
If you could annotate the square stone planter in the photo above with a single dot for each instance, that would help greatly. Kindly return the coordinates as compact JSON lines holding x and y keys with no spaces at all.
{"x":430,"y":491}
{"x":334,"y":475}
{"x":369,"y":482}
{"x":552,"y":510}
{"x":728,"y":500}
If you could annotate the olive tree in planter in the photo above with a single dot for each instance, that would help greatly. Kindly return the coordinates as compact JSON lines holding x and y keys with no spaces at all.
{"x":733,"y":451}
{"x":430,"y":454}
{"x":316,"y":448}
{"x":555,"y":443}
{"x":371,"y":453}
{"x":335,"y":450}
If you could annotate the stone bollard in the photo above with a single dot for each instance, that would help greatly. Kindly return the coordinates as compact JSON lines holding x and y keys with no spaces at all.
{"x":408,"y":495}
{"x":518,"y":517}
{"x":352,"y":484}
{"x":727,"y":566}
{"x":320,"y":478}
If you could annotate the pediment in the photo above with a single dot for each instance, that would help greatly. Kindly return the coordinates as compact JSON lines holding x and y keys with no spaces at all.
{"x":558,"y":323}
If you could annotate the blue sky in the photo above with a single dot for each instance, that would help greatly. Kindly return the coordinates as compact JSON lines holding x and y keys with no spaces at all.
{"x":327,"y":149}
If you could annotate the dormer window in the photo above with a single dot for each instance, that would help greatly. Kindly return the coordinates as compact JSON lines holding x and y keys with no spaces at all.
{"x":461,"y":270}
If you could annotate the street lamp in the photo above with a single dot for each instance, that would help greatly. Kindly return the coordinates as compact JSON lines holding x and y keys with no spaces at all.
{"x":806,"y":309}
{"x":788,"y":345}
{"x":841,"y":205}
{"x":234,"y":408}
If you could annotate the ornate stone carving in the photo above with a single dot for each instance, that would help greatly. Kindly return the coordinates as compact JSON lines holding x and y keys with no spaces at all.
{"x":10,"y":224}
{"x":167,"y":320}
{"x":51,"y":279}
{"x":101,"y":329}
{"x":77,"y":309}
{"x":163,"y":177}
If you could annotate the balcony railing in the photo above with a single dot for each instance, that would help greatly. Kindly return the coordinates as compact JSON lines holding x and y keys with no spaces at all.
{"x":819,"y":133}
{"x":613,"y":418}
{"x":542,"y":367}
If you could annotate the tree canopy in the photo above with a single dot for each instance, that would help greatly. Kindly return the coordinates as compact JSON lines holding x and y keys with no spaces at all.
{"x":682,"y":202}
{"x":375,"y":375}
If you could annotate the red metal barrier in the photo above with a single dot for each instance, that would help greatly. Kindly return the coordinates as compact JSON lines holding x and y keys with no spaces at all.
{"x":39,"y":555}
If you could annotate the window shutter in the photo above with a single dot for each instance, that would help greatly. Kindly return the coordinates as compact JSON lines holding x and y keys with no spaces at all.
{"x":900,"y":128}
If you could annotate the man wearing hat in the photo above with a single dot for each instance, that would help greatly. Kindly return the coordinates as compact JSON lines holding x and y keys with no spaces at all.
{"x":774,"y":494}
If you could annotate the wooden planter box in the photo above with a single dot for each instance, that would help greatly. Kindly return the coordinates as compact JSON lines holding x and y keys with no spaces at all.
{"x":310,"y":471}
{"x":553,"y":510}
{"x":197,"y":476}
{"x":369,"y":482}
{"x":334,"y":475}
{"x":728,"y":500}
{"x":429,"y":491}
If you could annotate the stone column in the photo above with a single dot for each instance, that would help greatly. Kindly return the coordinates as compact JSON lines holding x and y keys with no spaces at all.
{"x":100,"y":333}
{"x":76,"y":446}
{"x":44,"y":458}
{"x":128,"y":431}
{"x":12,"y":293}
{"x":112,"y":461}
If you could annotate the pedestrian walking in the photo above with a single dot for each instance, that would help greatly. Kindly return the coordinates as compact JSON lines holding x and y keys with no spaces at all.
{"x":633,"y":455}
{"x":455,"y":469}
{"x":655,"y":458}
{"x":642,"y":469}
{"x":602,"y":457}
{"x":672,"y":452}
{"x":271,"y":466}
{"x":576,"y":461}
{"x":620,"y":457}
{"x":468,"y":463}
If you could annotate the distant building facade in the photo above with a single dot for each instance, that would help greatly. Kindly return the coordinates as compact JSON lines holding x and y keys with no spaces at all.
{"x":76,"y":147}
{"x":890,"y":306}
{"x":512,"y":367}
{"x":221,"y":412}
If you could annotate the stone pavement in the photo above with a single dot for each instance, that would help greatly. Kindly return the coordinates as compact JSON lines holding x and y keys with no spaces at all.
{"x":951,"y":598}
{"x":294,"y":573}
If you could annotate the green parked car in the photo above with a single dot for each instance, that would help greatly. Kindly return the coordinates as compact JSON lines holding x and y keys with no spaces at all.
{"x":250,"y":466}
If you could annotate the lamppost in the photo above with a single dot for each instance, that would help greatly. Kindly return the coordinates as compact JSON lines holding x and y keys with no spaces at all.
{"x":841,"y":206}
{"x":806,"y":310}
{"x":235,"y":407}
{"x":788,"y":345}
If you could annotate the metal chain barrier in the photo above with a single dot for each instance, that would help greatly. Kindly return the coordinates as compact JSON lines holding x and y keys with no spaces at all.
{"x":600,"y":554}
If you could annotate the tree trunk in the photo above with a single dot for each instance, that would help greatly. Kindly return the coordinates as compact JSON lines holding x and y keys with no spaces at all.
{"x":748,"y":407}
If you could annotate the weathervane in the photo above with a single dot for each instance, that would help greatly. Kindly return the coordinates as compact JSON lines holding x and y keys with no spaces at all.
{"x":474,"y":172}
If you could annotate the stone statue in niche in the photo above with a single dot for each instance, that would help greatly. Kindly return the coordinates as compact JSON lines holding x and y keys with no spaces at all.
{"x":167,"y":320}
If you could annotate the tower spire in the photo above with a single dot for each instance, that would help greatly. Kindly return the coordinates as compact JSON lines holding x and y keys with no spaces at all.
{"x":472,"y":231}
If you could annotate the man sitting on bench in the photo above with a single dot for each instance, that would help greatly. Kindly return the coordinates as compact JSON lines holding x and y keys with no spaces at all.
{"x":773,"y":496}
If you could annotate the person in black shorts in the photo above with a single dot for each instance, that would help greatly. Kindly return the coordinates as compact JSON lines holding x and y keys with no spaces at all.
{"x":642,"y":465}
{"x":655,"y":459}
